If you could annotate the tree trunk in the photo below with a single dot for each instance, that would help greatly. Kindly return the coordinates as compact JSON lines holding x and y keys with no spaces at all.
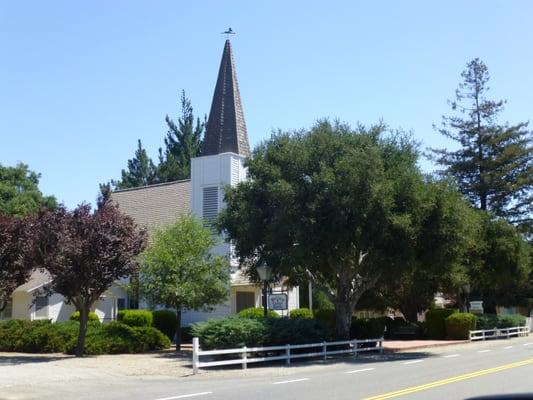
{"x":178,"y":328}
{"x":343,"y":320}
{"x":84,"y":317}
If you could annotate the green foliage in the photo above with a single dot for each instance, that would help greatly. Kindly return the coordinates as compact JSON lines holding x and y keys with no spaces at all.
{"x":135,"y":317}
{"x":257,"y":312}
{"x":327,"y":316}
{"x":435,"y":322}
{"x":459,"y":325}
{"x":166,"y":321}
{"x":179,"y":271}
{"x":486,"y":321}
{"x":494,"y":165}
{"x":92,"y":317}
{"x":237,"y":332}
{"x":19,"y":192}
{"x":509,"y":321}
{"x":141,"y":171}
{"x":357,"y":191}
{"x":230,"y":332}
{"x":367,"y":328}
{"x":301,"y":313}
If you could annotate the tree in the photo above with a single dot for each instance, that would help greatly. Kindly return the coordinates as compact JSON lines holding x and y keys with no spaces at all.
{"x":19,"y":192}
{"x":343,"y":207}
{"x":494,"y":163}
{"x":178,"y":270}
{"x":183,"y":142}
{"x":15,"y":247}
{"x":85,"y":252}
{"x":141,"y":171}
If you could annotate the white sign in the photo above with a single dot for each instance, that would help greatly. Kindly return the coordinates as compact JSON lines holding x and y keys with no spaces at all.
{"x":476,"y":307}
{"x":277,"y":301}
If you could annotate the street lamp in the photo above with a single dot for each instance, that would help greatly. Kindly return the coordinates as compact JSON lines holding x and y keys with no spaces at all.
{"x":265,"y":273}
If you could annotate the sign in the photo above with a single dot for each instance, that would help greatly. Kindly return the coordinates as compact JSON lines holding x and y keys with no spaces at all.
{"x":278,"y":301}
{"x":476,"y":307}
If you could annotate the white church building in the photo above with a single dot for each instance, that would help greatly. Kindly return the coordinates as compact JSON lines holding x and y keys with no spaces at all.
{"x":221,"y":164}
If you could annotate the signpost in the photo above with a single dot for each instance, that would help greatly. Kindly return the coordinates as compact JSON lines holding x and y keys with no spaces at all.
{"x":476,"y":307}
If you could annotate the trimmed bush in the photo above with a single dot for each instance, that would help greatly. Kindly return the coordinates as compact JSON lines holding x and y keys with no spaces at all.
{"x":257,"y":312}
{"x":230,"y":332}
{"x":458,"y":325}
{"x":47,"y":337}
{"x":301,"y":313}
{"x":327,"y":317}
{"x":486,"y":321}
{"x":370,"y":328}
{"x":491,"y":321}
{"x":135,"y":317}
{"x":92,"y":317}
{"x":165,"y":321}
{"x":435,"y":325}
{"x":234,"y":332}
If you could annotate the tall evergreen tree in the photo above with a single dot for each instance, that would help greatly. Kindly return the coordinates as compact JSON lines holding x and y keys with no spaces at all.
{"x":141,"y":171}
{"x":494,"y":163}
{"x":183,"y":142}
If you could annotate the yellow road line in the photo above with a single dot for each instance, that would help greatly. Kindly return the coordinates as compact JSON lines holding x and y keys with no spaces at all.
{"x":447,"y":381}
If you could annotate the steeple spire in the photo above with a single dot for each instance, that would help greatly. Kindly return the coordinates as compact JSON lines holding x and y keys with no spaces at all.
{"x":226,"y":128}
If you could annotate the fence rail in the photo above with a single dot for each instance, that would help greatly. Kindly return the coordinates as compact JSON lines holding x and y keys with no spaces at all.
{"x":280,"y":352}
{"x":495,"y":333}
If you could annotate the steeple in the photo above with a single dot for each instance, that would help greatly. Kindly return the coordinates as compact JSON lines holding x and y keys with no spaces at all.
{"x":226,"y":129}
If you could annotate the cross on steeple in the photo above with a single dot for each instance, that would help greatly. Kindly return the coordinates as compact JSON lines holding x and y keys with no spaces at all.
{"x":228,"y":33}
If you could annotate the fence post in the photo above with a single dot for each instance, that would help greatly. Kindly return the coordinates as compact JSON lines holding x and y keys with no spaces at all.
{"x":381,"y":346}
{"x":288,"y":354}
{"x":355,"y":347}
{"x":195,"y":349}
{"x":244,"y":358}
{"x":325,"y":350}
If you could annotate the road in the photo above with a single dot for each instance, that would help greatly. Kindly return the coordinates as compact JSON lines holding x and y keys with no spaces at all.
{"x":457,"y":372}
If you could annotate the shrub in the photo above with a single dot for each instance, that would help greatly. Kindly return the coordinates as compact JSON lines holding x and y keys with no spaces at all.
{"x":301,"y":313}
{"x":486,"y":321}
{"x":459,"y":325}
{"x":230,"y":332}
{"x":92,"y":317}
{"x":327,"y":317}
{"x":165,"y":321}
{"x":186,"y":335}
{"x":238,"y":332}
{"x":257,"y":312}
{"x":491,"y":321}
{"x":370,"y":328}
{"x":435,"y":325}
{"x":135,"y":317}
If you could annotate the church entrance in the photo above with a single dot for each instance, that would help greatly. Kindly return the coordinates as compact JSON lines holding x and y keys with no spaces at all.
{"x":244,"y":300}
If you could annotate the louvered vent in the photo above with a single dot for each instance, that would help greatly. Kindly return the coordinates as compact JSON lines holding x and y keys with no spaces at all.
{"x":210,"y":204}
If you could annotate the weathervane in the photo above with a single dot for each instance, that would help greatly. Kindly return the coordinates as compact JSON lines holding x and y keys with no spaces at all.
{"x":228,"y":32}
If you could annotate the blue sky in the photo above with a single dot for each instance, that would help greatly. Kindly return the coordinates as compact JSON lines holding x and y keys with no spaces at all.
{"x":80,"y":82}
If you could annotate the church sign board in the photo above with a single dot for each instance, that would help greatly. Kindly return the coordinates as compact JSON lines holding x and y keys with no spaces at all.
{"x":278,"y":301}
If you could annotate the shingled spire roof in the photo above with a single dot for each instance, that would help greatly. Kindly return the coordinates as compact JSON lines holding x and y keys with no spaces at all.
{"x":226,"y":129}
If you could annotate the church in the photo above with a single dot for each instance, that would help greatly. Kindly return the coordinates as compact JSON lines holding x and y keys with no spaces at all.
{"x":221,"y":163}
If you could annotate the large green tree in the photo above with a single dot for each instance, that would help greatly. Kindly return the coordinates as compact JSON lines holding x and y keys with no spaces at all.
{"x":141,"y":171}
{"x":343,"y":207}
{"x":182,"y":142}
{"x":493,"y":165}
{"x":19,"y":192}
{"x":179,"y":271}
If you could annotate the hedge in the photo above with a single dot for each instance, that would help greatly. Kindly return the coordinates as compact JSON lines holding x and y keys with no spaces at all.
{"x":135,"y":317}
{"x":327,"y":317}
{"x":435,"y":325}
{"x":47,"y":337}
{"x":234,"y":332}
{"x":257,"y":312}
{"x":459,"y":325}
{"x":491,"y":321}
{"x":165,"y":321}
{"x":301,"y":313}
{"x":75,"y":316}
{"x":367,"y":328}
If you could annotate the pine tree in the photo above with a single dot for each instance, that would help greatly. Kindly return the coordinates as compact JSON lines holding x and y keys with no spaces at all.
{"x":141,"y":171}
{"x":494,"y":164}
{"x":183,"y":142}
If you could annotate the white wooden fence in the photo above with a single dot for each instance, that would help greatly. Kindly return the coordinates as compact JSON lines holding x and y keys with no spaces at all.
{"x":495,"y":333}
{"x":279,"y":352}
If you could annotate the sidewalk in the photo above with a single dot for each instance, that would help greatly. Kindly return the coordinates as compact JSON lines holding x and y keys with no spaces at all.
{"x":403,"y":345}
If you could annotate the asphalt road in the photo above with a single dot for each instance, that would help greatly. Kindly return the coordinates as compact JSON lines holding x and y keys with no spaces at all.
{"x":458,"y":372}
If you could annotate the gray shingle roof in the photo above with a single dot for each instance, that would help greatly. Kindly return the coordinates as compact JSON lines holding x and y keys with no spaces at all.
{"x":155,"y":206}
{"x":226,"y":128}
